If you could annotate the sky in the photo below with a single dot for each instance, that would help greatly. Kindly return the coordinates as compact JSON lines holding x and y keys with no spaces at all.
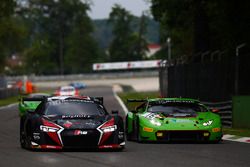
{"x":101,"y":8}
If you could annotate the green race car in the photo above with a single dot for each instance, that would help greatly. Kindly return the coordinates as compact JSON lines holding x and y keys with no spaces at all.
{"x":25,"y":104}
{"x":172,"y":119}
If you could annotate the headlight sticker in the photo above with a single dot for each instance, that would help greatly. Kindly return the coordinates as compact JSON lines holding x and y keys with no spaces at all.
{"x":153,"y":118}
{"x":208,"y":123}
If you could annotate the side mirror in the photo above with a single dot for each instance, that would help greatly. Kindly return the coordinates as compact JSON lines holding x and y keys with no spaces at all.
{"x":31,"y":111}
{"x":114,"y":112}
{"x":215,"y":110}
{"x":133,"y":111}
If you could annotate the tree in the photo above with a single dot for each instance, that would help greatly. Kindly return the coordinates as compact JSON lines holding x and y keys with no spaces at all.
{"x":176,"y":21}
{"x":126,"y":45}
{"x":66,"y":26}
{"x":197,"y":26}
{"x":82,"y":50}
{"x":6,"y":29}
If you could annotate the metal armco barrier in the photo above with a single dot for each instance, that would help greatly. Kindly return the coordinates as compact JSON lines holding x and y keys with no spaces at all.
{"x":225,"y":111}
{"x":5,"y":93}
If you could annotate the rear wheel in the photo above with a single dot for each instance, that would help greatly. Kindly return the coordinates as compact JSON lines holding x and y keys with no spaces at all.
{"x":120,"y":135}
{"x":137,"y":131}
{"x":21,"y":133}
{"x":128,"y":135}
{"x":26,"y":137}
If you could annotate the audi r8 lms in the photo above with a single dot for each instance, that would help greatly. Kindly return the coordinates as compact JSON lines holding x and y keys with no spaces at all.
{"x":172,"y":119}
{"x":71,"y":122}
{"x":66,"y":91}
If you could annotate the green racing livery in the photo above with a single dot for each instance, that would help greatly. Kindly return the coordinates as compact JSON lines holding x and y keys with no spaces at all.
{"x":25,"y":104}
{"x":172,"y":119}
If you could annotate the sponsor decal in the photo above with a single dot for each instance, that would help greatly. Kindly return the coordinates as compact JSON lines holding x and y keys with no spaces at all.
{"x":110,"y":146}
{"x":180,"y":120}
{"x":80,"y":132}
{"x":172,"y":101}
{"x":67,"y":124}
{"x":60,"y":101}
{"x":121,"y":135}
{"x":75,"y":116}
{"x":36,"y":136}
{"x":126,"y":65}
{"x":50,"y":147}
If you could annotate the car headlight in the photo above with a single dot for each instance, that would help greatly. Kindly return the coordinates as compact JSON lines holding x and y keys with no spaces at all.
{"x":154,"y":122}
{"x":48,"y":129}
{"x":207,"y":123}
{"x":109,"y":128}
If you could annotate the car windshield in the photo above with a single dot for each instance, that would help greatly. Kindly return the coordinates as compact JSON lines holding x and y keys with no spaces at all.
{"x":67,"y":89}
{"x":176,"y":108}
{"x":71,"y":108}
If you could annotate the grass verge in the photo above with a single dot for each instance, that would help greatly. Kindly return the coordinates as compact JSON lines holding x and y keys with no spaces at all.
{"x":9,"y":100}
{"x":136,"y":95}
{"x":236,"y":131}
{"x":14,"y":99}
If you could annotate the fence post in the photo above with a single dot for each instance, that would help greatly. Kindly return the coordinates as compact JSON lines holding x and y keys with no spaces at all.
{"x":236,"y":81}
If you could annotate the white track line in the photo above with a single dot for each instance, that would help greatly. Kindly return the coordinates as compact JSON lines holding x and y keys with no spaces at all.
{"x":236,"y":139}
{"x":120,"y":102}
{"x":8,"y":106}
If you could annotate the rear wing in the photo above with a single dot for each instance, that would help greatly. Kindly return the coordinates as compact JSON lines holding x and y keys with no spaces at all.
{"x":41,"y":99}
{"x":136,"y":100}
{"x":97,"y":99}
{"x":44,"y":99}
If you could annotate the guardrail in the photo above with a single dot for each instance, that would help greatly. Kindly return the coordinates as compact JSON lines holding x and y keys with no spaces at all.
{"x":225,"y":111}
{"x":6,"y":92}
{"x":89,"y":76}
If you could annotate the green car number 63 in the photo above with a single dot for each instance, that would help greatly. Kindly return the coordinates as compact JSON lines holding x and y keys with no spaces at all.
{"x":172,"y":119}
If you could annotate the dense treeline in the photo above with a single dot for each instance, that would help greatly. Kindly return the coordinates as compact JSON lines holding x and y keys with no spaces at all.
{"x":103,"y":30}
{"x":60,"y":36}
{"x":57,"y":37}
{"x":199,"y":26}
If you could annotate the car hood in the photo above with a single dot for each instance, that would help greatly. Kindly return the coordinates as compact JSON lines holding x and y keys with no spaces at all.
{"x":78,"y":122}
{"x":198,"y":121}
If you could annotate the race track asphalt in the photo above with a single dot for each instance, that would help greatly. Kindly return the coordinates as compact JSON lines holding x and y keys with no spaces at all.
{"x":225,"y":154}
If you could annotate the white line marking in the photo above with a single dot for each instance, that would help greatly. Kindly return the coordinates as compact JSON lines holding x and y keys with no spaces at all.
{"x":233,"y":138}
{"x":120,"y":102}
{"x":8,"y":106}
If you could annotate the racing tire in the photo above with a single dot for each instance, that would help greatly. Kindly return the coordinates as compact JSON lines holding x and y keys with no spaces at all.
{"x":128,"y":135}
{"x":137,"y":131}
{"x":21,"y":134}
{"x":119,"y":131}
{"x":27,"y":138}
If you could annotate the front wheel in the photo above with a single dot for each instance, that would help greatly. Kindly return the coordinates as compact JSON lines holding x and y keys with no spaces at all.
{"x":21,"y":134}
{"x":137,"y":131}
{"x":128,"y":135}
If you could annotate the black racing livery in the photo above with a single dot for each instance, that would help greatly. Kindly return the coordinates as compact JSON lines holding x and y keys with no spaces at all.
{"x":71,"y":122}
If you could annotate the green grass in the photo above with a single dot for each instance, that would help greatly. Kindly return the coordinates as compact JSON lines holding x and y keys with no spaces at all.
{"x":236,"y":131}
{"x":10,"y":100}
{"x":136,"y":95}
{"x":14,"y":99}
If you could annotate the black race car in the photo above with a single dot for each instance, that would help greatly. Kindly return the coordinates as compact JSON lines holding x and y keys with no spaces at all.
{"x":71,"y":122}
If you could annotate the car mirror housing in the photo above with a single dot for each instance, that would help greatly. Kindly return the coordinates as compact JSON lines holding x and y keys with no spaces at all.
{"x":215,"y":110}
{"x":114,"y":111}
{"x":134,"y":111}
{"x":31,"y":111}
